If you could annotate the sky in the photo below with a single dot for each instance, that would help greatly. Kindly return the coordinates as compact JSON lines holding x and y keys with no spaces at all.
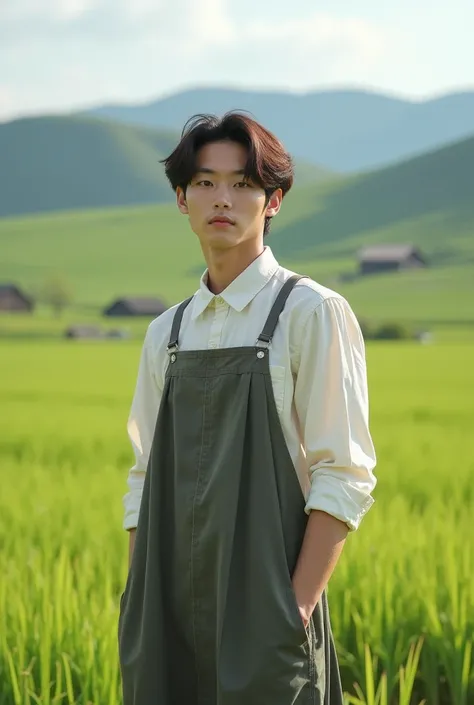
{"x":61,"y":55}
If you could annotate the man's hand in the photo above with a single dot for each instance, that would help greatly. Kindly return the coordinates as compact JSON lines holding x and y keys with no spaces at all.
{"x":305,"y":616}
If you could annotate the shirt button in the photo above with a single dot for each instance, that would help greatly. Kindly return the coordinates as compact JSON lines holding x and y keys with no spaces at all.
{"x":219,"y":300}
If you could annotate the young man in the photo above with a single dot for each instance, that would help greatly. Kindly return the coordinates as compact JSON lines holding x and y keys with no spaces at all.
{"x":253,"y":452}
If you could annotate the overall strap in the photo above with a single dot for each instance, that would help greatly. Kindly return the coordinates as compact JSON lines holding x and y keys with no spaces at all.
{"x":175,"y":328}
{"x":265,"y":337}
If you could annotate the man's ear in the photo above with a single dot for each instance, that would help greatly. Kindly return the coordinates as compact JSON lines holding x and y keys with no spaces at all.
{"x":181,"y":201}
{"x":274,"y":203}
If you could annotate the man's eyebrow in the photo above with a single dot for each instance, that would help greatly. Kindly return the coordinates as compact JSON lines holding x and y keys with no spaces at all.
{"x":206,"y":170}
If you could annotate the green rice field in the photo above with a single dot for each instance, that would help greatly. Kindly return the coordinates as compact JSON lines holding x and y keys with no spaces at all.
{"x":402,"y":596}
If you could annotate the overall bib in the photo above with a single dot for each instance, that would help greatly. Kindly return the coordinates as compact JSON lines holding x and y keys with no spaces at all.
{"x":209,"y":615}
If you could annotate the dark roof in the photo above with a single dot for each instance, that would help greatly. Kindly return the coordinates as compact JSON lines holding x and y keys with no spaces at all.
{"x":14,"y":289}
{"x":387,"y":253}
{"x":9,"y":288}
{"x":141,"y":304}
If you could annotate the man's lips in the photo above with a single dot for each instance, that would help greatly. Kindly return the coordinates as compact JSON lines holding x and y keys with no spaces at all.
{"x":222,"y":219}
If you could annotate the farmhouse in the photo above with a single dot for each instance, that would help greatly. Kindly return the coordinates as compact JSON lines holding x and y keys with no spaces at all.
{"x":136,"y":306}
{"x":83,"y":332}
{"x":389,"y":258}
{"x":13,"y":299}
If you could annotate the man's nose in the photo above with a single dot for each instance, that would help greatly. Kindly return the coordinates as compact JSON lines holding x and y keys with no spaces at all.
{"x":222,"y":198}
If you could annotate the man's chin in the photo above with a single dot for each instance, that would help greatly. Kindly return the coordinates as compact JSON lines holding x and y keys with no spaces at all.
{"x":222,"y":239}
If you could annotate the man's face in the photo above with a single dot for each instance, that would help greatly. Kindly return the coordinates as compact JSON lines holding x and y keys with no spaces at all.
{"x":225,"y":210}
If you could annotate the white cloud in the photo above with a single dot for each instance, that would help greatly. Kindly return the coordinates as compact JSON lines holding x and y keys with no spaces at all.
{"x":39,"y":20}
{"x":319,"y":28}
{"x":45,"y":11}
{"x":70,"y":10}
{"x":297,"y":42}
{"x":292,"y":50}
{"x":77,"y":52}
{"x":208,"y":25}
{"x":7,"y":102}
{"x":189,"y":22}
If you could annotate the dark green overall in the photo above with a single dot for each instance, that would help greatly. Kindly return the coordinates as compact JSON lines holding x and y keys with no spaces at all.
{"x":209,"y":616}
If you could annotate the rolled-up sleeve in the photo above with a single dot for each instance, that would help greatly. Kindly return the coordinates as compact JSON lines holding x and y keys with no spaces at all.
{"x":331,"y":399}
{"x":140,"y":428}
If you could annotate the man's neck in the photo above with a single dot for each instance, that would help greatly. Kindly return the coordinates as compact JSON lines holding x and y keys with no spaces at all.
{"x":226,"y":265}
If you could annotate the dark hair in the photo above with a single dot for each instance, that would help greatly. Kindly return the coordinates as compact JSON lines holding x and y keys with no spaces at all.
{"x":268,"y":164}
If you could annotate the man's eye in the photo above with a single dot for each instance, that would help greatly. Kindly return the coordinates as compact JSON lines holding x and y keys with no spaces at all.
{"x":204,"y":182}
{"x":243,"y":184}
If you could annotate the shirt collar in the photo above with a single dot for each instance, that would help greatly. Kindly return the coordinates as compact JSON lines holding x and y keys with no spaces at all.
{"x":243,"y":289}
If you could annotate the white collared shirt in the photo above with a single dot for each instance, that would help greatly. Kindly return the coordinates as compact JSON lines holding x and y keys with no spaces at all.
{"x":319,"y":379}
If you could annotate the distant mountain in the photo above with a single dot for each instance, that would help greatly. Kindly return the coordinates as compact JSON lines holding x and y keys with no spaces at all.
{"x":60,"y":163}
{"x":344,"y":130}
{"x":64,"y":163}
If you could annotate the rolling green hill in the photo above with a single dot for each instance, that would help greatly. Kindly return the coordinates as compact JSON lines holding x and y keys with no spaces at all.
{"x":427,"y":201}
{"x":55,"y":163}
{"x":65,"y":163}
